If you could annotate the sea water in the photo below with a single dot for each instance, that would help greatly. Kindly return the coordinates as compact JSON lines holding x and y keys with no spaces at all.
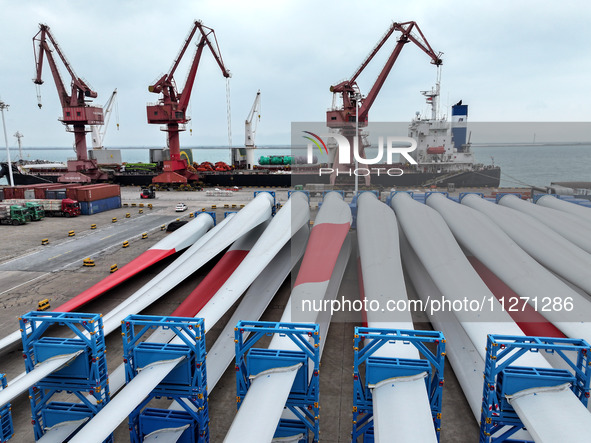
{"x":521,"y":165}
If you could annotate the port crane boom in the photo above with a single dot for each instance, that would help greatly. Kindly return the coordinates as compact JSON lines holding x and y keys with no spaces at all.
{"x":353,"y":113}
{"x":99,"y":132}
{"x":349,"y":90}
{"x":255,"y":111}
{"x":171,"y":109}
{"x":250,"y":129}
{"x":77,"y":112}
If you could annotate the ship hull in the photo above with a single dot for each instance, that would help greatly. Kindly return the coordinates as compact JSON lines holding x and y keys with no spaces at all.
{"x":488,"y":177}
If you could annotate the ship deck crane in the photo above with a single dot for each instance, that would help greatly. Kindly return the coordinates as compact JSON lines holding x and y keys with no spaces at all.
{"x":100,"y":131}
{"x":19,"y":136}
{"x":355,"y":107}
{"x":250,"y":129}
{"x":77,"y":112}
{"x":171,"y":109}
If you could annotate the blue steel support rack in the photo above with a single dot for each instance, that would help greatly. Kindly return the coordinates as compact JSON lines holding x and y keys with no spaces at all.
{"x":306,"y":193}
{"x":212,"y":214}
{"x":463,"y":194}
{"x":303,"y":399}
{"x":337,"y":191}
{"x":500,"y":195}
{"x":501,"y":378}
{"x":274,"y":210}
{"x":378,"y":369}
{"x":353,"y":204}
{"x":86,"y":374}
{"x":536,"y":197}
{"x":187,"y":383}
{"x":427,"y":194}
{"x":6,"y":428}
{"x":393,"y":193}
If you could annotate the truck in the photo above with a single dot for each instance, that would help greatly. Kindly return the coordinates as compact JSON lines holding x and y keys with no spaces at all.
{"x":52,"y":208}
{"x":36,"y":210}
{"x":14,"y":214}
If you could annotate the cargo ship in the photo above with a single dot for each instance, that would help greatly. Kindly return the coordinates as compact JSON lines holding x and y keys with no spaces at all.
{"x":443,"y":155}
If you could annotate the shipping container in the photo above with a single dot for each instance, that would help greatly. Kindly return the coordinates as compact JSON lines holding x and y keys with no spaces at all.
{"x":96,"y":206}
{"x":19,"y":192}
{"x":41,"y":192}
{"x":71,"y":192}
{"x":97,"y":192}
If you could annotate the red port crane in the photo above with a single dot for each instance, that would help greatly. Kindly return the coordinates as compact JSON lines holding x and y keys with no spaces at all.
{"x":77,"y":112}
{"x":344,"y":117}
{"x":171,"y":109}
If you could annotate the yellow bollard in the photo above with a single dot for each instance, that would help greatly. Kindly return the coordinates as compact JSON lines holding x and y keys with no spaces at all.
{"x":43,"y":305}
{"x":88,"y":262}
{"x":163,"y":227}
{"x":150,"y":205}
{"x":114,"y":268}
{"x":44,"y":241}
{"x":114,"y":220}
{"x":71,"y":233}
{"x":141,"y":205}
{"x":127,"y":215}
{"x":191,"y":215}
{"x":93,"y":226}
{"x":126,"y":244}
{"x":226,"y":206}
{"x":141,"y":211}
{"x":133,"y":205}
{"x":144,"y":235}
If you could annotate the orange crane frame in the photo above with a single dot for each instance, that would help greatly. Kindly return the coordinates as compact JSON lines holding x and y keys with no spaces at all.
{"x":171,"y":109}
{"x":345,"y":117}
{"x":76,"y":110}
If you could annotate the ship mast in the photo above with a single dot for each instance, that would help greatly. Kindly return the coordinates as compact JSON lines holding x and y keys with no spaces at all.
{"x":432,"y":96}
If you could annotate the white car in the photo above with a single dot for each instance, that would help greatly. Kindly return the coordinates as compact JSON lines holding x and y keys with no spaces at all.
{"x":181,"y":207}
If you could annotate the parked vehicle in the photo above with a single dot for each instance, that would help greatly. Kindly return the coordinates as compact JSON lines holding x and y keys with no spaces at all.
{"x":63,"y":208}
{"x":14,"y":214}
{"x":181,"y":207}
{"x":148,"y":193}
{"x":36,"y":211}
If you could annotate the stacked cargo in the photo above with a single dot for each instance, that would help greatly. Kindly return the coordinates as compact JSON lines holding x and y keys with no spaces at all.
{"x":14,"y":214}
{"x":96,"y":198}
{"x":51,"y":207}
{"x":93,"y":198}
{"x":36,"y":191}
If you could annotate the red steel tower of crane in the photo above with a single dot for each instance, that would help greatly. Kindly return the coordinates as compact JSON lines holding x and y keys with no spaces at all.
{"x":345,"y":116}
{"x":171,"y":109}
{"x":77,"y":112}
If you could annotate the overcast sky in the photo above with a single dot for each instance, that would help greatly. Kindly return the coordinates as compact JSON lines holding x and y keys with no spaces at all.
{"x":510,"y":61}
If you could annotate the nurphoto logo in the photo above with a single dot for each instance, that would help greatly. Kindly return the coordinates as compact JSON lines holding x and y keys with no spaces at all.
{"x":402,"y":146}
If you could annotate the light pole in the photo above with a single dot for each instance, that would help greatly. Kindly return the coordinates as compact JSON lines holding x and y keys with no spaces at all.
{"x":4,"y":106}
{"x":356,"y":142}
